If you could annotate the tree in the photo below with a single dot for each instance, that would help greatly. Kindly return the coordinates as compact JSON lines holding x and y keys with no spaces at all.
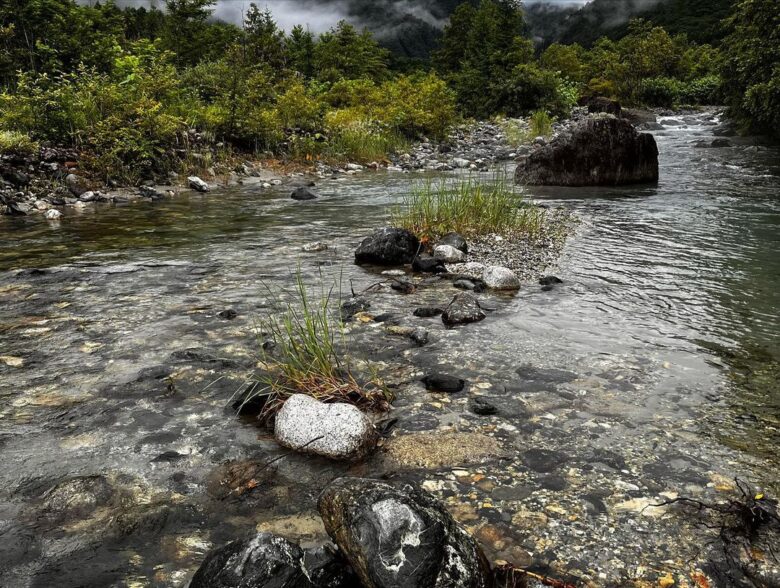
{"x":300,"y":51}
{"x":564,"y":59}
{"x":263,"y":38}
{"x":751,"y":66}
{"x":343,"y":53}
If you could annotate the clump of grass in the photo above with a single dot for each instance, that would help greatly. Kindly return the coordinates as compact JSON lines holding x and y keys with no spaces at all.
{"x":304,"y":352}
{"x":469,"y":206}
{"x":14,"y":143}
{"x":541,"y":124}
{"x":516,"y":132}
{"x":364,"y":143}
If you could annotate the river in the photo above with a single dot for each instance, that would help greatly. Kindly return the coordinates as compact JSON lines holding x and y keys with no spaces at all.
{"x":652,"y":371}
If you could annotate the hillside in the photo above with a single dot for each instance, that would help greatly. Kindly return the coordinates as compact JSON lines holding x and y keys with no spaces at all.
{"x":699,"y":19}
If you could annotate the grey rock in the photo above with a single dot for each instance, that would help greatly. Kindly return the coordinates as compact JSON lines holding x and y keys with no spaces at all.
{"x":597,"y":151}
{"x":197,"y":184}
{"x":454,"y":240}
{"x":448,"y":254}
{"x":400,"y":537}
{"x":336,"y":431}
{"x":52,"y":214}
{"x":500,"y":278}
{"x":314,"y":247}
{"x":77,"y":185}
{"x":463,"y":309}
{"x":304,"y":193}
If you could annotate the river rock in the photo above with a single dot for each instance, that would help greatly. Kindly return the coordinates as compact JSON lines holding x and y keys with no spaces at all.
{"x":76,"y":184}
{"x":454,"y":240}
{"x":336,"y":431}
{"x":443,"y":383}
{"x":428,"y":265}
{"x":314,"y":247}
{"x":354,"y":305}
{"x":388,"y":246}
{"x":197,"y":184}
{"x":460,"y":162}
{"x":448,"y":254}
{"x":18,"y":208}
{"x":269,"y":561}
{"x":597,"y":151}
{"x":53,"y":214}
{"x":463,"y":309}
{"x":500,"y":278}
{"x":427,"y":311}
{"x":77,"y":497}
{"x":400,"y":537}
{"x":304,"y":193}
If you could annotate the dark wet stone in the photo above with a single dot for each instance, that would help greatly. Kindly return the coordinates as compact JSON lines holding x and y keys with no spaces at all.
{"x":386,"y":317}
{"x":402,"y":286}
{"x":351,"y":307}
{"x":463,"y":309}
{"x":157,"y":372}
{"x":304,"y":193}
{"x":419,"y":422}
{"x":454,"y":240}
{"x":464,"y":284}
{"x":18,"y":208}
{"x":428,"y":265}
{"x":543,"y":460}
{"x":228,"y":314}
{"x":427,"y":311}
{"x":268,"y":561}
{"x":77,"y":497}
{"x":388,"y":246}
{"x":596,"y":151}
{"x":400,"y":536}
{"x":14,"y":176}
{"x":605,"y":456}
{"x":443,"y":383}
{"x":512,"y":493}
{"x":594,"y":504}
{"x":168,"y":457}
{"x":200,"y":356}
{"x":546,"y":375}
{"x":419,"y":337}
{"x":550,"y":281}
{"x":482,"y":407}
{"x":552,"y":482}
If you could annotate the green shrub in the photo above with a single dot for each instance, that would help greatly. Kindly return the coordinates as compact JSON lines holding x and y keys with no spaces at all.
{"x":15,"y":143}
{"x":541,"y":124}
{"x":660,"y":92}
{"x":704,"y":90}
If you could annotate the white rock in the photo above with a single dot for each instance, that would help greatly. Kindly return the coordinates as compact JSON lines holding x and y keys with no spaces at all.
{"x":473,"y":269}
{"x":53,"y":214}
{"x":197,"y":184}
{"x":500,"y":278}
{"x":87,"y":196}
{"x":354,"y":167}
{"x":461,"y":163}
{"x":337,"y":431}
{"x":276,"y":182}
{"x":448,"y":254}
{"x":314,"y":247}
{"x":79,"y":205}
{"x":42,"y":205}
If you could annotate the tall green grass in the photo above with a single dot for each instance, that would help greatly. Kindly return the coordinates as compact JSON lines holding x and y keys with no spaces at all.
{"x":469,"y":206}
{"x":304,"y":351}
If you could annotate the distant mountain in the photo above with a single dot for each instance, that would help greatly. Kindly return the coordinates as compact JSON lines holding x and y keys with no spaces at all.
{"x":699,"y":19}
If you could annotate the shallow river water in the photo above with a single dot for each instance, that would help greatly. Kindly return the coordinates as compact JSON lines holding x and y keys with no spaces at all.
{"x":651,"y":372}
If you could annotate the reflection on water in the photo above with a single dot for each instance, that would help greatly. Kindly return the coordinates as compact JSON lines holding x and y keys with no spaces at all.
{"x":666,"y":332}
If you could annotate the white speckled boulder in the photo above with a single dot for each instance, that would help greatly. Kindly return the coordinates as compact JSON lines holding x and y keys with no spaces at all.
{"x":500,"y":278}
{"x":336,"y":431}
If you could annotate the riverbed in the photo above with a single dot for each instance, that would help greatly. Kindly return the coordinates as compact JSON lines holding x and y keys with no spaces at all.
{"x":650,"y":373}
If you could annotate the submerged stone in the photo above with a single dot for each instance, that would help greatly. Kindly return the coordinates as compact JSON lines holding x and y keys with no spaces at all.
{"x":388,"y":246}
{"x":443,"y":383}
{"x":463,"y":309}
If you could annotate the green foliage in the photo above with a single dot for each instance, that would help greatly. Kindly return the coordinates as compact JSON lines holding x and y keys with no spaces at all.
{"x":469,"y":206}
{"x":14,"y":143}
{"x":541,"y":124}
{"x":751,"y":66}
{"x":566,"y":60}
{"x":343,"y":53}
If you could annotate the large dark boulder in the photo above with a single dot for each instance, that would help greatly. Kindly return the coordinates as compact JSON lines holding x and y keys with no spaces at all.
{"x":268,"y":561}
{"x":388,"y":246}
{"x":599,"y":151}
{"x":400,"y":537}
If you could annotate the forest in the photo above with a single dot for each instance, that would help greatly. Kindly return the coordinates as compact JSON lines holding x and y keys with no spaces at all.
{"x":131,"y":87}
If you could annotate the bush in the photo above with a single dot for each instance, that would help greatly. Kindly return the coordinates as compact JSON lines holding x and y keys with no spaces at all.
{"x":704,"y":90}
{"x":660,"y":92}
{"x":14,"y":143}
{"x":530,"y":88}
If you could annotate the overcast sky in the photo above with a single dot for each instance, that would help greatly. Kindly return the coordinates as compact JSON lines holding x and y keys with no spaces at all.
{"x":318,"y":16}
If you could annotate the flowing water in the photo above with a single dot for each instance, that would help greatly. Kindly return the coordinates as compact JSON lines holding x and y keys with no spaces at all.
{"x":651,"y":372}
